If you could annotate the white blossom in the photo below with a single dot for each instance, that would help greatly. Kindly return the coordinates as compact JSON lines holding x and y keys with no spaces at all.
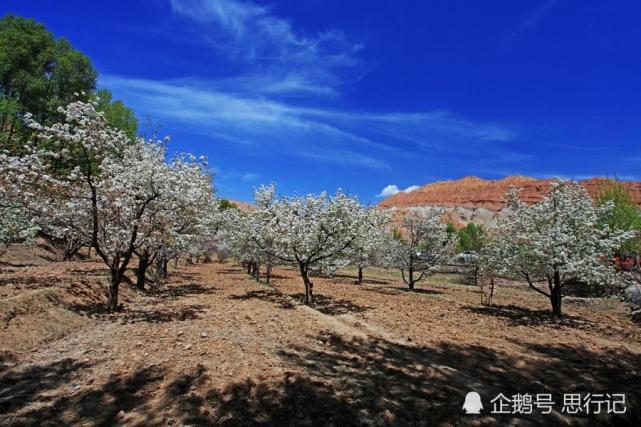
{"x":423,"y":244}
{"x":90,"y":183}
{"x":559,"y":240}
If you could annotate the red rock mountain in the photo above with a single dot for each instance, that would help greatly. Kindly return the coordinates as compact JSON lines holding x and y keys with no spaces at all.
{"x":244,"y":206}
{"x":473,"y":199}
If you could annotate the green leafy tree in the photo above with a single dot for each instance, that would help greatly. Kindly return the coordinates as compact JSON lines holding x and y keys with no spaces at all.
{"x":625,"y":214}
{"x":39,"y":72}
{"x":118,"y":115}
{"x":72,"y":77}
{"x":224,"y":204}
{"x":451,"y":228}
{"x":38,"y":75}
{"x":396,"y":235}
{"x":471,"y":237}
{"x":26,"y":59}
{"x":9,"y":109}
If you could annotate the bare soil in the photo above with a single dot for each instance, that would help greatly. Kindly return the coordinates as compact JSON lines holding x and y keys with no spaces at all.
{"x":213,"y":347}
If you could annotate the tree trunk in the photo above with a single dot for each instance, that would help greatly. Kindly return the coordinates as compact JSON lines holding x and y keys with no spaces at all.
{"x":69,"y":254}
{"x":360,"y":274}
{"x":257,"y":272}
{"x":268,"y":274}
{"x":249,"y":268}
{"x":410,"y":276}
{"x":143,"y":265}
{"x":164,"y":267}
{"x":555,"y":295}
{"x":158,"y":273}
{"x":113,"y":290}
{"x":71,"y":249}
{"x":309,"y":286}
{"x":489,"y":300}
{"x":487,"y":297}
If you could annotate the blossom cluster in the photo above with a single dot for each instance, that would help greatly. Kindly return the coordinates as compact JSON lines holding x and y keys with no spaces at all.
{"x":90,"y":185}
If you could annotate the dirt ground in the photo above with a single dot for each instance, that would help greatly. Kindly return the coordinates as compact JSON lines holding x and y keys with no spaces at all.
{"x":213,"y":347}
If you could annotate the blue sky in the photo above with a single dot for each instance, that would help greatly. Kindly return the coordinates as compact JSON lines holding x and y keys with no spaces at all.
{"x":362,"y":95}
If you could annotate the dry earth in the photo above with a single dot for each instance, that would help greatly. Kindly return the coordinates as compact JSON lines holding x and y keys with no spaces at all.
{"x":213,"y":347}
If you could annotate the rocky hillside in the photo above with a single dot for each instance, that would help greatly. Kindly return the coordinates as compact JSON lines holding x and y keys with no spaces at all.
{"x":473,"y":199}
{"x":243,"y":205}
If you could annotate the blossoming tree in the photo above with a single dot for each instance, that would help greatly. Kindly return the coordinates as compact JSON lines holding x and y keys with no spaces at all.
{"x":239,"y":232}
{"x":423,"y":244}
{"x":183,"y":218}
{"x":559,"y":240}
{"x":90,"y":181}
{"x":488,"y":264}
{"x":309,"y":230}
{"x":14,"y":226}
{"x":374,"y":242}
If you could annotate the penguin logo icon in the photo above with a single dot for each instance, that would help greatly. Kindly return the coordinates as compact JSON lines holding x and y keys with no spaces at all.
{"x":473,"y":404}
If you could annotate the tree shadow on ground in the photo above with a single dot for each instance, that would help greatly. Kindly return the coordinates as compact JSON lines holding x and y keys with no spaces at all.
{"x":182,"y":290}
{"x":427,"y":386}
{"x":346,"y":382}
{"x":30,"y":282}
{"x":382,"y":291}
{"x":276,"y":276}
{"x":160,"y":315}
{"x":269,"y":295}
{"x":96,"y":406}
{"x":418,"y":291}
{"x":349,"y":382}
{"x":332,"y":306}
{"x":611,"y":370}
{"x":522,"y":316}
{"x":291,"y":401}
{"x":230,"y":270}
{"x":183,"y":276}
{"x":31,"y":384}
{"x":322,"y":303}
{"x":96,"y":271}
{"x":156,"y":313}
{"x":349,"y":279}
{"x":7,"y":358}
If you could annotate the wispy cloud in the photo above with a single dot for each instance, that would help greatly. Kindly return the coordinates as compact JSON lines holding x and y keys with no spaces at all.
{"x":329,"y":135}
{"x":237,"y":176}
{"x":342,"y":157}
{"x":532,"y":20}
{"x":272,"y":102}
{"x":285,"y":60}
{"x":393,"y":189}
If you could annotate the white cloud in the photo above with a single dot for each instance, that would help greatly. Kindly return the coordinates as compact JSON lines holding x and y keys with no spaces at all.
{"x":237,"y":176}
{"x":392,"y":189}
{"x":244,"y":120}
{"x":269,"y":102}
{"x":343,"y":157}
{"x":289,"y":62}
{"x":237,"y":116}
